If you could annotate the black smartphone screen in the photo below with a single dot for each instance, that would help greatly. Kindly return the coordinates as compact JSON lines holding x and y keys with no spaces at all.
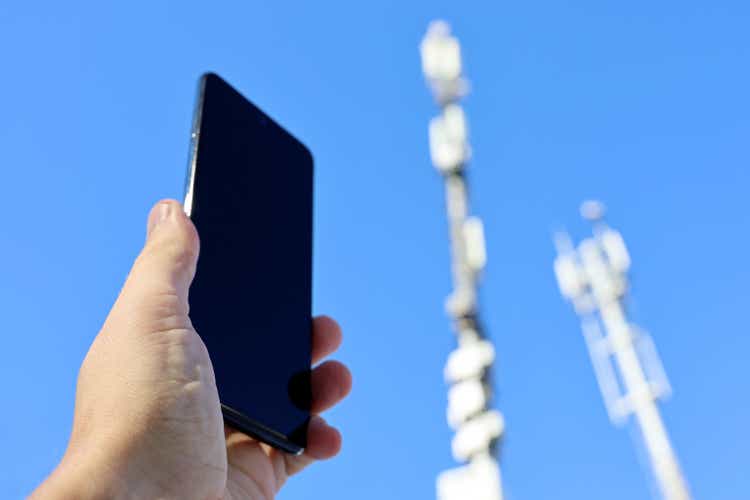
{"x":249,"y":194}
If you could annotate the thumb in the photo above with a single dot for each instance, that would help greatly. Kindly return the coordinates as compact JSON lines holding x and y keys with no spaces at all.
{"x":166,"y":265}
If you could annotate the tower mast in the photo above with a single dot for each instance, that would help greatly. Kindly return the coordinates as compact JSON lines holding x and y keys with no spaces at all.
{"x":478,"y":427}
{"x":594,"y":278}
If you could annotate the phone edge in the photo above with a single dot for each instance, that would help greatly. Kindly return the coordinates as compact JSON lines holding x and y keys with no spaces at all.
{"x":193,"y":151}
{"x":256,"y":430}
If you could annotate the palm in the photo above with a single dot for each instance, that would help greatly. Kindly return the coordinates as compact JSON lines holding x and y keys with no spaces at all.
{"x":254,"y":471}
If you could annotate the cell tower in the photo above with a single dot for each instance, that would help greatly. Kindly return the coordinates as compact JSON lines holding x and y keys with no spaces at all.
{"x":478,"y":427}
{"x":627,"y":367}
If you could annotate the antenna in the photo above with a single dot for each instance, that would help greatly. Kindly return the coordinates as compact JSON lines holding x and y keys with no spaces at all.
{"x":594,"y":278}
{"x":478,"y":427}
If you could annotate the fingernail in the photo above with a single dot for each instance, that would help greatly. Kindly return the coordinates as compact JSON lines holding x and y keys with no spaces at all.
{"x":158,"y":215}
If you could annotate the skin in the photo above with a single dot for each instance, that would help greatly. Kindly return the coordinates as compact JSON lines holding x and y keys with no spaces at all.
{"x":147,"y":420}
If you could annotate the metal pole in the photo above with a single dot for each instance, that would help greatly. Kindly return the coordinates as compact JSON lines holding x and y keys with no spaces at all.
{"x":642,"y":400}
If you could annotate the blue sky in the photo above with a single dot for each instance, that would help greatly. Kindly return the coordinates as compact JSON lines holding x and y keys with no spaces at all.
{"x":642,"y":104}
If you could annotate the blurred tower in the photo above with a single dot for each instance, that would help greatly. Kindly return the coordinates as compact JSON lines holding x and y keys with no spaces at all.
{"x":478,"y":428}
{"x":594,"y":278}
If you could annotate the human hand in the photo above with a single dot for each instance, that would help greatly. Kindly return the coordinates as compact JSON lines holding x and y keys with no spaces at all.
{"x":147,"y":420}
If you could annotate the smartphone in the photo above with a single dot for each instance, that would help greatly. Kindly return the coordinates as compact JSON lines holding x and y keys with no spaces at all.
{"x":249,"y":192}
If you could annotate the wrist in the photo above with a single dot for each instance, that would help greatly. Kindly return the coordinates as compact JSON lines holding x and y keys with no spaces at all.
{"x":90,"y":476}
{"x":75,"y":479}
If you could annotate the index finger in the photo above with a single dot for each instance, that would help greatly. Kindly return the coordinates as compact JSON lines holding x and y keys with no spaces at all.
{"x":326,"y":337}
